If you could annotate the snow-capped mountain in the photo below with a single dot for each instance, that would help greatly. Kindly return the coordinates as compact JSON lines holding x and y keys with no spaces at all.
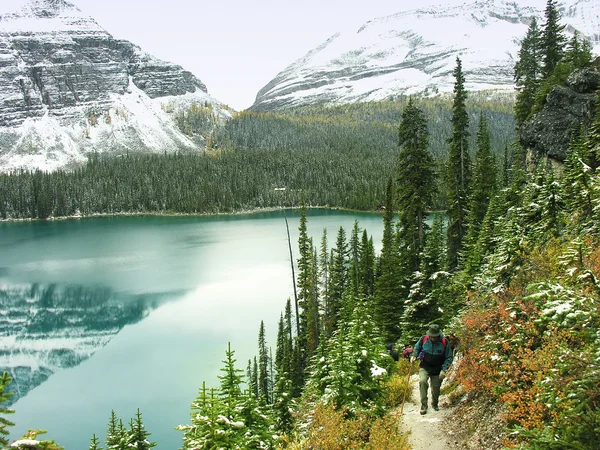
{"x":69,"y":88}
{"x":415,"y":51}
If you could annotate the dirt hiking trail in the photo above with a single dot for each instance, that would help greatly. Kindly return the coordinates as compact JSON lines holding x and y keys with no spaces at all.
{"x":431,"y":431}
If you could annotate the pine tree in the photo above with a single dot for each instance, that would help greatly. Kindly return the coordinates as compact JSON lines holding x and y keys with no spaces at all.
{"x":324,"y":263}
{"x":4,"y":396}
{"x":415,"y":185}
{"x":483,"y":184}
{"x":578,"y":178}
{"x":231,"y":379}
{"x":367,"y":265}
{"x":263,"y":366}
{"x":553,"y":39}
{"x":354,"y":270}
{"x":552,"y":204}
{"x":579,"y":52}
{"x":116,"y":436}
{"x":337,"y":281}
{"x":458,"y":170}
{"x":527,"y":73}
{"x":388,"y":303}
{"x":425,"y":301}
{"x":94,"y":443}
{"x":593,"y":141}
{"x":205,"y":430}
{"x":138,"y":436}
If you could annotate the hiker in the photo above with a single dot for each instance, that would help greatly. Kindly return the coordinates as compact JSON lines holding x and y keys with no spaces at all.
{"x":393,"y":353}
{"x":407,"y":352}
{"x":435,"y":354}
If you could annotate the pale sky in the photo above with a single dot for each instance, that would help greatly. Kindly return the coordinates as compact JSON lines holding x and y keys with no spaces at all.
{"x":234,"y":46}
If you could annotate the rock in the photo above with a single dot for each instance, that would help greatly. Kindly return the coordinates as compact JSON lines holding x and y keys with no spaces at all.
{"x":549,"y":131}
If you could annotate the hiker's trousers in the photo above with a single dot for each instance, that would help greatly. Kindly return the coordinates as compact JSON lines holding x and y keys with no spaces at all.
{"x":424,"y":385}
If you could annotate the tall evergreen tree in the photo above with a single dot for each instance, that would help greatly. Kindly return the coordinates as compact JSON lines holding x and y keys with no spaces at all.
{"x":324,"y":263}
{"x":337,"y":281}
{"x":367,"y":266}
{"x":138,"y":436}
{"x":4,"y":396}
{"x":263,"y":366}
{"x":231,"y":380}
{"x":527,"y":73}
{"x":579,"y":52}
{"x":458,"y":170}
{"x":116,"y":436}
{"x":354,"y":269}
{"x":425,"y":302}
{"x":94,"y":443}
{"x":553,"y":39}
{"x":483,"y":184}
{"x":415,"y":185}
{"x":388,"y":301}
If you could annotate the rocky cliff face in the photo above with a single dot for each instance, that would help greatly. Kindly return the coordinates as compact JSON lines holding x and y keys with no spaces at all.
{"x":69,"y":88}
{"x":549,"y":131}
{"x":48,"y":328}
{"x":415,"y":51}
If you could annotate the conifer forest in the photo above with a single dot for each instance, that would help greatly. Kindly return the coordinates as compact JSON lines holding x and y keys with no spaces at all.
{"x":494,"y":242}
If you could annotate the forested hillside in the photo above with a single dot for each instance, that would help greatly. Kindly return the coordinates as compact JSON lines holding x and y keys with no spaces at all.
{"x":511,"y":272}
{"x":333,"y":157}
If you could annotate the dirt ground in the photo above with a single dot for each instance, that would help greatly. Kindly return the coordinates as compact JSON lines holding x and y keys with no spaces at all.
{"x":431,"y":431}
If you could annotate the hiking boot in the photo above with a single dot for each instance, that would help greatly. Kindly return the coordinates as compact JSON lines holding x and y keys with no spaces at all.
{"x":423,"y":409}
{"x":436,"y":407}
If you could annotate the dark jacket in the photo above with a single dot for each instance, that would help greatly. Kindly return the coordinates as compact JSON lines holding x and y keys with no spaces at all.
{"x":435,"y":357}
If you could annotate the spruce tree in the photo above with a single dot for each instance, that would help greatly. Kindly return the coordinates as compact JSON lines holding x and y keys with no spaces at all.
{"x":458,"y":170}
{"x":553,"y":39}
{"x":483,"y":184}
{"x":263,"y":366}
{"x":94,"y":443}
{"x":116,"y":436}
{"x":388,"y":301}
{"x":527,"y":73}
{"x":337,"y":281}
{"x":415,"y":185}
{"x":4,"y":396}
{"x":367,"y":265}
{"x":138,"y":436}
{"x":231,"y":379}
{"x":324,"y":263}
{"x":425,"y":302}
{"x":579,"y":52}
{"x":354,"y":270}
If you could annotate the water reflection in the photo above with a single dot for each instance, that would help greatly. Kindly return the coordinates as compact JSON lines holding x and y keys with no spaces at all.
{"x":46,"y":328}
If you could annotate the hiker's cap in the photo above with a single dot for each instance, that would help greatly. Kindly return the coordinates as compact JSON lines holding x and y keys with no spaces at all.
{"x":434,"y":330}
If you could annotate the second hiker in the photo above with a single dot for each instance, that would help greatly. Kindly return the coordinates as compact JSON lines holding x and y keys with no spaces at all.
{"x":436,"y":356}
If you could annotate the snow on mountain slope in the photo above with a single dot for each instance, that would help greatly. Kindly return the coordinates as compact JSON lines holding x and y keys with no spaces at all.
{"x":68,"y":88}
{"x":415,"y":51}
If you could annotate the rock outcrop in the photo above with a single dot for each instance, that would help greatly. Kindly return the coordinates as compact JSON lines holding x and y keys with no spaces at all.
{"x":549,"y":131}
{"x":67,"y":88}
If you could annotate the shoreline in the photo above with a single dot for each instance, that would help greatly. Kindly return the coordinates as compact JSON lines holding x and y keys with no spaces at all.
{"x":176,"y":214}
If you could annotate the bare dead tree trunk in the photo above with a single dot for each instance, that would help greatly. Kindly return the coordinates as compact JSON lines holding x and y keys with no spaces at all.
{"x":293,"y":277}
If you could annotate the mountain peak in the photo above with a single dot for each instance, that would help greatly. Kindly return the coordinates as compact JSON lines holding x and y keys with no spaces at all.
{"x":43,"y":9}
{"x":414,"y":51}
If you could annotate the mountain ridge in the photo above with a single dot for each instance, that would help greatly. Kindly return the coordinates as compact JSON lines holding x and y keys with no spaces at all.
{"x":414,"y":51}
{"x":71,"y":89}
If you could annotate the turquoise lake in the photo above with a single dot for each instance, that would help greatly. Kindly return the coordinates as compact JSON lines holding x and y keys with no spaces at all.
{"x":136,"y":312}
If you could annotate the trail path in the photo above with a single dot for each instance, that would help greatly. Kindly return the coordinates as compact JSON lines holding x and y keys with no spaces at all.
{"x":428,"y":432}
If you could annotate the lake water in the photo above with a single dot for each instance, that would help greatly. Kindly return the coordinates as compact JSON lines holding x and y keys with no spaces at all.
{"x":136,"y":312}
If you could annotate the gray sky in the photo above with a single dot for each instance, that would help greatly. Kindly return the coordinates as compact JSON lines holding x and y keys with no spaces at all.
{"x":234,"y":46}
